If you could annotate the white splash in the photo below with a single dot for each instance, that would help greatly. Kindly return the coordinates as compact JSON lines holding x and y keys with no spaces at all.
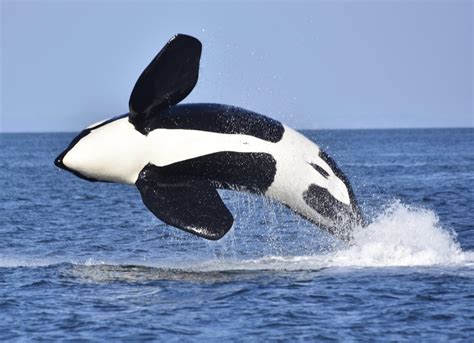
{"x":402,"y":236}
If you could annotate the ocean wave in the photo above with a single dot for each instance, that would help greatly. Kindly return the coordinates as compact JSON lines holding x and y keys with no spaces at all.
{"x":399,"y":236}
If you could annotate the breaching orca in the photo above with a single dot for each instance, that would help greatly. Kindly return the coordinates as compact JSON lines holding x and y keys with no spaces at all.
{"x":178,"y":155}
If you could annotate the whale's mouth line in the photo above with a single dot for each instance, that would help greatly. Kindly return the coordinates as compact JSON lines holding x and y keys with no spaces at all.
{"x":58,"y":161}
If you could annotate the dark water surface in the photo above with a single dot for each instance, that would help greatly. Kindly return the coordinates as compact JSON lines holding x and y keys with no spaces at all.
{"x":87,"y":261}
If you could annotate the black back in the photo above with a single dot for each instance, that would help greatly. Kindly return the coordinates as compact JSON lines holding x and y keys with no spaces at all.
{"x":217,"y":118}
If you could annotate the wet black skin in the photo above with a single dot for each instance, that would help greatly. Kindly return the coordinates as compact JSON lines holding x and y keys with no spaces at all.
{"x":183,"y":194}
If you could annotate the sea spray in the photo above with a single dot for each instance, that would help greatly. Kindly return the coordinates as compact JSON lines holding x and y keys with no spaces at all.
{"x":401,"y":236}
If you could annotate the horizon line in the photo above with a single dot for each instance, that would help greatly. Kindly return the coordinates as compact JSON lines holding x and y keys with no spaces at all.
{"x":297,"y":129}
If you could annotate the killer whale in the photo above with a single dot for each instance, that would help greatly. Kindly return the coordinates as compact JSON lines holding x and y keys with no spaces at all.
{"x":178,"y":155}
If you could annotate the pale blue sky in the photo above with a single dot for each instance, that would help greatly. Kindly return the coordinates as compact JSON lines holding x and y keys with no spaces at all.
{"x":314,"y":64}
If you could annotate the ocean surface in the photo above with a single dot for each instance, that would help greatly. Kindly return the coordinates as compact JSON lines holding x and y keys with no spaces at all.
{"x":84,"y":261}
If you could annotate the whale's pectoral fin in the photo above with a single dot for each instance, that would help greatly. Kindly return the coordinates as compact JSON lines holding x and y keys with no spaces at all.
{"x":167,"y":80}
{"x":191,"y":205}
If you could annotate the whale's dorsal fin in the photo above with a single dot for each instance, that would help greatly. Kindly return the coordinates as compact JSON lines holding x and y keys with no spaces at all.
{"x":167,"y":80}
{"x":191,"y":205}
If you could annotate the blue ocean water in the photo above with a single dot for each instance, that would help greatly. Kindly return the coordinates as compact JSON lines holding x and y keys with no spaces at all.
{"x":87,"y":261}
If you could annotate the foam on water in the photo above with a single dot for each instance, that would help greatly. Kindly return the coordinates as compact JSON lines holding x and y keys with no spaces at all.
{"x":15,"y":262}
{"x":400,"y":235}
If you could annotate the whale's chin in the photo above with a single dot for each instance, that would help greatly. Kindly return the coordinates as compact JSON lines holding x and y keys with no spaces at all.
{"x":61,"y":162}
